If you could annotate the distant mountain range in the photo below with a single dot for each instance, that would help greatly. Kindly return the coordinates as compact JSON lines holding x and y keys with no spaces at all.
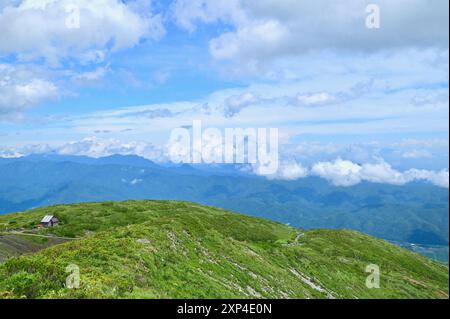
{"x":413,"y":213}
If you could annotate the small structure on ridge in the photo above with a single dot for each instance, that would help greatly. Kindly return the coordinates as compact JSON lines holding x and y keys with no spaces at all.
{"x":49,"y":221}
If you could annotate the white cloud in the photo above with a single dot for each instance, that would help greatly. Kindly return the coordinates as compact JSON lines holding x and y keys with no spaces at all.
{"x":20,"y":89}
{"x":97,"y":147}
{"x":92,"y":147}
{"x":14,"y":152}
{"x":288,"y":170}
{"x":417,"y":154}
{"x":235,"y":103}
{"x":272,"y":28}
{"x":136,"y":181}
{"x":346,"y":173}
{"x":440,"y":178}
{"x":10,"y":153}
{"x":314,"y":98}
{"x":340,"y":173}
{"x":384,"y":173}
{"x":433,"y":98}
{"x":187,"y":13}
{"x":328,"y":98}
{"x":264,"y":37}
{"x":89,"y":76}
{"x":35,"y":29}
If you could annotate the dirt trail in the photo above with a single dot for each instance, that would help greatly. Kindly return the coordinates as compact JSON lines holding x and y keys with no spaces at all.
{"x":38,"y":235}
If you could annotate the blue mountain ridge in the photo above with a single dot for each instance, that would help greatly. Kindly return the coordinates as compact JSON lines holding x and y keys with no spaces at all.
{"x":414,"y":213}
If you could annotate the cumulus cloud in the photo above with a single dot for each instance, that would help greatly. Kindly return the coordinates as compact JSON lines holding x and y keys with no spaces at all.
{"x":49,"y":29}
{"x":289,"y":170}
{"x":187,"y":13}
{"x":262,"y":37}
{"x":14,"y":152}
{"x":98,"y":147}
{"x":347,"y":173}
{"x":339,"y":172}
{"x":20,"y":89}
{"x":440,"y":178}
{"x":66,"y":34}
{"x":92,"y":147}
{"x":273,"y":28}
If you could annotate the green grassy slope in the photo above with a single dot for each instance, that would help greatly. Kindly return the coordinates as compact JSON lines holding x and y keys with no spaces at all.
{"x":165,"y":249}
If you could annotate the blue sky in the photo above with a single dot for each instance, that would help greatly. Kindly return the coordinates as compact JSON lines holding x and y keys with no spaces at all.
{"x":134,"y":70}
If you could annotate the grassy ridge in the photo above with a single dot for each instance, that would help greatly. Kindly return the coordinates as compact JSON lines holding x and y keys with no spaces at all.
{"x":165,"y":249}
